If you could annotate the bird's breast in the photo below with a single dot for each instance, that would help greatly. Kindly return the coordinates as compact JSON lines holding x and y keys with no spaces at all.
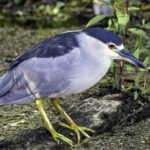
{"x":86,"y":75}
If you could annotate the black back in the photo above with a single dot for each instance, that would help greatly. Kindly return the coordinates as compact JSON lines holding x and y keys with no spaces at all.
{"x":51,"y":47}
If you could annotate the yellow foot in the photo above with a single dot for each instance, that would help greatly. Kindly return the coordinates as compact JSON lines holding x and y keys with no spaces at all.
{"x":77,"y":129}
{"x":72,"y":125}
{"x":57,"y":136}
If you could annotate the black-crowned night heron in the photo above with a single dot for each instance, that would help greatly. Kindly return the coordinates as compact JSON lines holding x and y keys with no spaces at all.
{"x":65,"y":64}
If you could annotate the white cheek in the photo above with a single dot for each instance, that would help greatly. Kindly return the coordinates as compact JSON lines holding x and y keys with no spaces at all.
{"x":113,"y":55}
{"x":91,"y":45}
{"x":96,"y":48}
{"x":120,"y":47}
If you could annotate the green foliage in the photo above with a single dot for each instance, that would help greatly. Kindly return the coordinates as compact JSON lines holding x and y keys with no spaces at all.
{"x":17,"y":2}
{"x":133,"y":9}
{"x":147,"y":25}
{"x":56,"y":13}
{"x":123,"y":19}
{"x":50,"y":10}
{"x":137,"y":53}
{"x":136,"y":94}
{"x":118,"y":24}
{"x":96,"y":19}
{"x":138,"y":32}
{"x":146,"y":61}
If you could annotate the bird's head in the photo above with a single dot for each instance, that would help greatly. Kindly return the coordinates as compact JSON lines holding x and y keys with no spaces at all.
{"x":113,"y":45}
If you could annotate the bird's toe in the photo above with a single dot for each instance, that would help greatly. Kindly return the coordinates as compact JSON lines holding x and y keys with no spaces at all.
{"x":78,"y":129}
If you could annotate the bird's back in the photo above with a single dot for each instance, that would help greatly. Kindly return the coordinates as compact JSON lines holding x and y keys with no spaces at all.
{"x":14,"y":85}
{"x":58,"y":45}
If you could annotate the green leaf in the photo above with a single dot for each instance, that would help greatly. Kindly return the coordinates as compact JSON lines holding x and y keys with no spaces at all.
{"x":103,"y":81}
{"x":19,"y":12}
{"x":60,"y":4}
{"x":57,"y":7}
{"x":113,"y":65}
{"x":147,"y":25}
{"x":17,"y":2}
{"x":128,"y":88}
{"x":136,"y":81}
{"x":138,"y":32}
{"x":143,"y":21}
{"x":119,"y":4}
{"x":41,"y":7}
{"x":146,"y":61}
{"x":123,"y":18}
{"x":48,"y":10}
{"x":96,"y":20}
{"x":136,"y":94}
{"x":109,"y":23}
{"x":144,"y":50}
{"x":130,"y":68}
{"x":140,"y":74}
{"x":116,"y":25}
{"x":144,"y":91}
{"x":142,"y":69}
{"x":133,"y":8}
{"x":137,"y":53}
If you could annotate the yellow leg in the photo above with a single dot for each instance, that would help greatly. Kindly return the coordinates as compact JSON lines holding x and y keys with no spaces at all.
{"x":56,"y":136}
{"x":73,"y":126}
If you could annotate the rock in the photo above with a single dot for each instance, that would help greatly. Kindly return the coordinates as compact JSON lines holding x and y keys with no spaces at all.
{"x":89,"y":112}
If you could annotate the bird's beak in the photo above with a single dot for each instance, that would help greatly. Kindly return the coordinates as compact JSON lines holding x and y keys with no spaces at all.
{"x":129,"y":57}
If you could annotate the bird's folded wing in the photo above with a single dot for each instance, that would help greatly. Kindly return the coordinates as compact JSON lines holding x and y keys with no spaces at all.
{"x":50,"y":48}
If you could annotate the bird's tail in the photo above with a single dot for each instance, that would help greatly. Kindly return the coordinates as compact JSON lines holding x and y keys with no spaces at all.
{"x":10,"y":93}
{"x":6,"y":82}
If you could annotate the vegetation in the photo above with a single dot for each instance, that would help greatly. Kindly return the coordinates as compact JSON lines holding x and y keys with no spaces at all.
{"x":41,"y":13}
{"x":123,"y":11}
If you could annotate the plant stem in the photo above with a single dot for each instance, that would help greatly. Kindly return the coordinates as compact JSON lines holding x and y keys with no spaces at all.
{"x":124,"y":37}
{"x":126,"y":8}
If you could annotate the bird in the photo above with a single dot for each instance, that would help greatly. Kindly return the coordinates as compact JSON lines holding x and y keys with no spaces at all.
{"x":62,"y":65}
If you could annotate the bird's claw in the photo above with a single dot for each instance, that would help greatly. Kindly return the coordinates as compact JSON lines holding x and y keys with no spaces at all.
{"x":57,"y":136}
{"x":78,"y":129}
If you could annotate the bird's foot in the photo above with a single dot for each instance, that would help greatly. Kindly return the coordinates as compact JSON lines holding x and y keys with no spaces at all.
{"x":57,"y":136}
{"x":78,"y":129}
{"x":72,"y":125}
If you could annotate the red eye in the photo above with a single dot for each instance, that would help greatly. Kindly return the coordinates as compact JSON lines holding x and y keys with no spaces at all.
{"x":111,"y":46}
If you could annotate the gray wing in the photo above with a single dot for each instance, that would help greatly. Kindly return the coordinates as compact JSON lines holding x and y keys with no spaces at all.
{"x":40,"y":77}
{"x":52,"y":47}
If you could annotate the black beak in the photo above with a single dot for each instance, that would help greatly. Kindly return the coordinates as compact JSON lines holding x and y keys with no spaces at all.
{"x":129,"y":57}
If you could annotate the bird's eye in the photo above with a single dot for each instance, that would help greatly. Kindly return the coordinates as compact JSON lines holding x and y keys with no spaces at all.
{"x":111,"y":46}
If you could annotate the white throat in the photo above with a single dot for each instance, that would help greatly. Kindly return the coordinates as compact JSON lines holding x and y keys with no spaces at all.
{"x":91,"y":66}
